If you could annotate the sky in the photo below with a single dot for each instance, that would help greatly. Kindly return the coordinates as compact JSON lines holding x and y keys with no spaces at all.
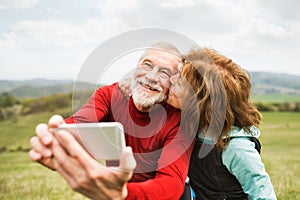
{"x":53,"y":38}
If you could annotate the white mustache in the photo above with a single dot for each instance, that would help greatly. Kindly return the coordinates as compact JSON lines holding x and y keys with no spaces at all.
{"x":148,"y":84}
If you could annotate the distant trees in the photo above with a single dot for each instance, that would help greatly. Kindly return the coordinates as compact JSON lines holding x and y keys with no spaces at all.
{"x":47,"y":103}
{"x":7,"y":100}
{"x":12,"y":107}
{"x":9,"y":107}
{"x":279,"y":107}
{"x":11,"y":112}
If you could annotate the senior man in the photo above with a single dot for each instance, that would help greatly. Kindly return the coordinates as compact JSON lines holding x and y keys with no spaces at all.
{"x":155,"y":164}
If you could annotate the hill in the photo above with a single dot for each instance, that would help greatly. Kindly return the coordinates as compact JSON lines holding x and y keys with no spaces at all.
{"x":285,"y":86}
{"x":9,"y":85}
{"x":275,"y":83}
{"x":35,"y":91}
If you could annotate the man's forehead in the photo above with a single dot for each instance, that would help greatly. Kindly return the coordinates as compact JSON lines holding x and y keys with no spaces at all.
{"x":162,"y":57}
{"x":163,"y":52}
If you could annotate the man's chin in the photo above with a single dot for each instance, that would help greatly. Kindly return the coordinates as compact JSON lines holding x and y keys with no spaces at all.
{"x":146,"y":101}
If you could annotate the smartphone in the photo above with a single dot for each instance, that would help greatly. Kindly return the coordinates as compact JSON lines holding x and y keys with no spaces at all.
{"x":104,"y":141}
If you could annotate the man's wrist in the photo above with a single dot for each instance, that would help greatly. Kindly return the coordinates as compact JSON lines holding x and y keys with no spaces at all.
{"x":125,"y":192}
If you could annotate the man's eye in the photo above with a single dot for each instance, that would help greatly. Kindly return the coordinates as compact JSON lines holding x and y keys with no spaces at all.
{"x":165,"y":74}
{"x":147,"y":64}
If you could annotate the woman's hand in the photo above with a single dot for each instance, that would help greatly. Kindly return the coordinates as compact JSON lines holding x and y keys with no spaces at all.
{"x":125,"y":87}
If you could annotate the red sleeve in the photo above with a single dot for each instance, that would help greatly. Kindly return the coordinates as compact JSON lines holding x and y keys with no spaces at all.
{"x":168,"y":182}
{"x":96,"y":109}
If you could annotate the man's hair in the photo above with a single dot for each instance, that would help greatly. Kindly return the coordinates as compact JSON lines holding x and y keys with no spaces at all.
{"x":163,"y":46}
{"x":211,"y":74}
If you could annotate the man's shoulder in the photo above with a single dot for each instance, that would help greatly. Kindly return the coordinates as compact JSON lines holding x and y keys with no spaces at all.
{"x":173,"y":114}
{"x":109,"y":90}
{"x":111,"y":94}
{"x":173,"y":110}
{"x":108,"y":87}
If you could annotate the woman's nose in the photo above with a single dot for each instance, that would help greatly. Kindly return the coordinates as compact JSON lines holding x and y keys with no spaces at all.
{"x":174,"y":78}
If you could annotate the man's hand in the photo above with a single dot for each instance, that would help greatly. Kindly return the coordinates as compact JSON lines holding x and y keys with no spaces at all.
{"x":83,"y":173}
{"x":42,"y":143}
{"x":87,"y":176}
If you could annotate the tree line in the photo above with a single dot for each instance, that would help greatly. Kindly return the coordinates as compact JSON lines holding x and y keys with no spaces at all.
{"x":12,"y":107}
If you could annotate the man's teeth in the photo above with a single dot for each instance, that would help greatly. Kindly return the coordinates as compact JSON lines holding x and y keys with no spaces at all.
{"x":149,"y":87}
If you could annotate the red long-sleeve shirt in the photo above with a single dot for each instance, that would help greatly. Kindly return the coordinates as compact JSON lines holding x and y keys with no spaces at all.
{"x":160,"y":148}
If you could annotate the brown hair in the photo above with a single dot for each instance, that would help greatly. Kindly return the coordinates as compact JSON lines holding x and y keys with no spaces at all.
{"x":222,"y":89}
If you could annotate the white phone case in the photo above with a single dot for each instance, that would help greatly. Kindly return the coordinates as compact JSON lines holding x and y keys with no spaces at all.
{"x":104,"y":141}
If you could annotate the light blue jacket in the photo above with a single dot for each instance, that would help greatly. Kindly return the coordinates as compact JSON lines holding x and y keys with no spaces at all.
{"x":244,"y":162}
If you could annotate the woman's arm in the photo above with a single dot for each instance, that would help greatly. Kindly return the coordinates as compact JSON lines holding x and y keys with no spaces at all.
{"x":244,"y":162}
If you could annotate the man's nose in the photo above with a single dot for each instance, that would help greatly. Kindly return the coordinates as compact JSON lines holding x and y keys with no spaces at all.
{"x":153,"y":75}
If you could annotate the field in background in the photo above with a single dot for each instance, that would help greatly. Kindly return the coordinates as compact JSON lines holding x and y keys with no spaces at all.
{"x":274,"y":98}
{"x":22,"y":179}
{"x":280,"y":152}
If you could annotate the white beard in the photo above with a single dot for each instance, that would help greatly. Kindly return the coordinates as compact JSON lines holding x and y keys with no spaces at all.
{"x":143,"y":99}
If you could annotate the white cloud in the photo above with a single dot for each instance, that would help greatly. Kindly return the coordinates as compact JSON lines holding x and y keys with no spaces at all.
{"x":114,"y":15}
{"x":59,"y":33}
{"x":258,"y":34}
{"x":270,"y":30}
{"x":7,"y":40}
{"x":114,"y":7}
{"x":54,"y":11}
{"x":17,"y":4}
{"x":53,"y":32}
{"x":174,"y":4}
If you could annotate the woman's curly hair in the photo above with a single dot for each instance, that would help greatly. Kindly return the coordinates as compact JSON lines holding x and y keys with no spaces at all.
{"x":222,"y":90}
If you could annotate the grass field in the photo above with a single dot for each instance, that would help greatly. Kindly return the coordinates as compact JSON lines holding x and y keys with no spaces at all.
{"x":22,"y":179}
{"x":280,"y":153}
{"x":275,"y":98}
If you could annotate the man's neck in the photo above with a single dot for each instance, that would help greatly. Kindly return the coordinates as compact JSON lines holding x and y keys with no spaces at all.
{"x":147,"y":109}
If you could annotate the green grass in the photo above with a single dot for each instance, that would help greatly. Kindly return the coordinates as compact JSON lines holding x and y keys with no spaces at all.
{"x":281,"y":141}
{"x":274,"y":98}
{"x":20,"y":178}
{"x":16,"y":133}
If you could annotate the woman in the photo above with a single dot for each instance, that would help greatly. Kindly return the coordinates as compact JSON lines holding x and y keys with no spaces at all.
{"x":224,"y":163}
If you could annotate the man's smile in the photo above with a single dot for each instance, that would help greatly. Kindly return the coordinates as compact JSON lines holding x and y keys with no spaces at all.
{"x":151,"y":87}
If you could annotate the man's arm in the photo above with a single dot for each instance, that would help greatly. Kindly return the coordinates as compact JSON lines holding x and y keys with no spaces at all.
{"x":244,"y":162}
{"x":167,"y":184}
{"x":97,"y":108}
{"x":170,"y":177}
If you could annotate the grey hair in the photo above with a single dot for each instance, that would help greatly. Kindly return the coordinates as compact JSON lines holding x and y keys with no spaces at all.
{"x":163,"y":46}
